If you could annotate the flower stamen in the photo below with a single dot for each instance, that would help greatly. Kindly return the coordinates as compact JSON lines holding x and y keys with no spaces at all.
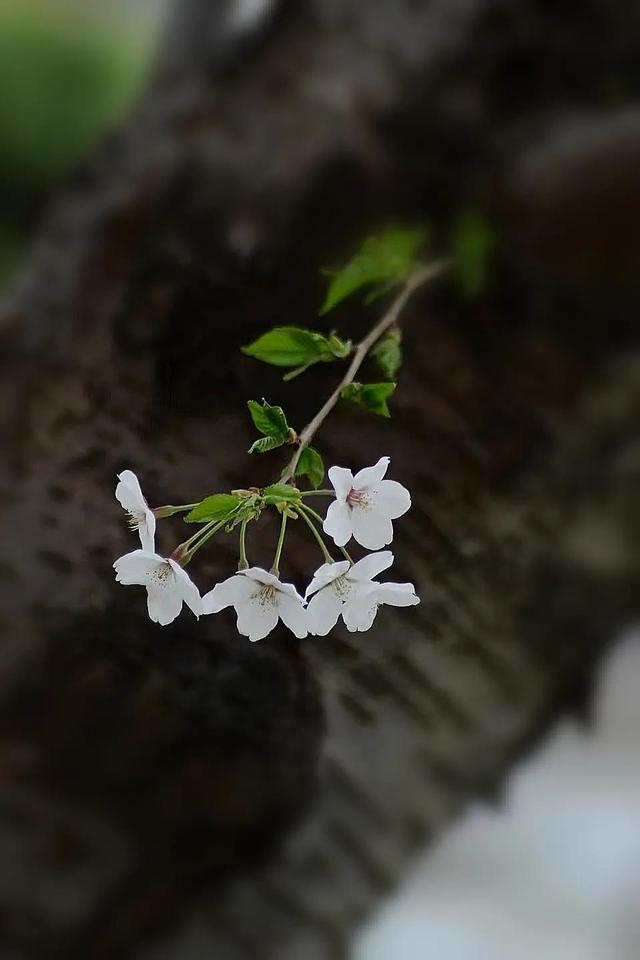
{"x":357,"y":497}
{"x":342,"y":587}
{"x":267,"y":595}
{"x":161,"y":574}
{"x":134,"y":520}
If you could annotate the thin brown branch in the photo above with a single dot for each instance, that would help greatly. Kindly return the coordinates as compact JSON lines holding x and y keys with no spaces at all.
{"x":423,"y":275}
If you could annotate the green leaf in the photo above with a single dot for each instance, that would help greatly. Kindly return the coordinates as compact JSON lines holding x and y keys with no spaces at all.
{"x":338,"y":347}
{"x":290,"y":347}
{"x":270,"y":421}
{"x":278,"y":492}
{"x":264,"y":444}
{"x":311,"y":465}
{"x":378,"y":291}
{"x":383,"y":261}
{"x":219,"y":506}
{"x":250,"y":507}
{"x":372,"y":396}
{"x":472,"y":244}
{"x":388,"y":353}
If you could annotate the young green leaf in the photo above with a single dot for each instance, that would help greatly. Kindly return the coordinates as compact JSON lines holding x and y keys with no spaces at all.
{"x":388,"y":353}
{"x":249,"y":508}
{"x":383,"y":261}
{"x":472,"y":243}
{"x":270,"y":421}
{"x":279,"y":492}
{"x":290,"y":347}
{"x":264,"y":444}
{"x":338,"y":347}
{"x":311,"y":465}
{"x":219,"y":506}
{"x":371,"y":396}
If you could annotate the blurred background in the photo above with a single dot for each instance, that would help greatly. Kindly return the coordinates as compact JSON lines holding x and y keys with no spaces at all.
{"x":552,"y":871}
{"x":70,"y":71}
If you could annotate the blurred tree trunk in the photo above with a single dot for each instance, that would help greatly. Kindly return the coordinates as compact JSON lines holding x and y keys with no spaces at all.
{"x":180,"y":792}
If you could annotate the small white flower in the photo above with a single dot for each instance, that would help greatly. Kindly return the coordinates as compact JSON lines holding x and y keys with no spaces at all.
{"x":365,"y":505}
{"x":129,"y":495}
{"x":168,"y":584}
{"x":335,"y":584}
{"x":259,"y":599}
{"x":360,"y":610}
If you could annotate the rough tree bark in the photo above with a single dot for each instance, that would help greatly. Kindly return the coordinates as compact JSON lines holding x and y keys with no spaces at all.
{"x":181,"y":793}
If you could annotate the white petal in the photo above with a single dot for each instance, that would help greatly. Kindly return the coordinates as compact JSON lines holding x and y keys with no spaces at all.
{"x":342,"y":481}
{"x":370,"y":476}
{"x":338,"y":523}
{"x":360,"y":611}
{"x":370,"y":528}
{"x":323,"y":612}
{"x":259,"y":575}
{"x":390,"y":498}
{"x":293,"y":615}
{"x":397,"y":594}
{"x":289,"y":590}
{"x":234,"y":590}
{"x":187,"y":589}
{"x":164,"y":603}
{"x":325,"y":574}
{"x":371,"y":565}
{"x":256,"y":619}
{"x":147,"y":531}
{"x":136,"y":567}
{"x":129,"y":493}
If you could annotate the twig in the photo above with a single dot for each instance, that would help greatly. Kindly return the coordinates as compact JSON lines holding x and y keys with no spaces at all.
{"x":416,"y":280}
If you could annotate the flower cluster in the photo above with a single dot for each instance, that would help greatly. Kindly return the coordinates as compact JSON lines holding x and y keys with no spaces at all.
{"x":363,"y":509}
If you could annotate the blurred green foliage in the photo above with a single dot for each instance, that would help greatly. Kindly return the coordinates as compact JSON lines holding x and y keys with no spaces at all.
{"x":383,"y":262}
{"x":472,"y":245}
{"x":66,"y":75}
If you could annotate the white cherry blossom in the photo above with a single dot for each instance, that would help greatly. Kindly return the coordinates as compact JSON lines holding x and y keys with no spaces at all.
{"x":360,"y":610}
{"x":260,"y":599}
{"x":365,"y":505}
{"x":335,"y":584}
{"x":168,"y":584}
{"x":141,"y":518}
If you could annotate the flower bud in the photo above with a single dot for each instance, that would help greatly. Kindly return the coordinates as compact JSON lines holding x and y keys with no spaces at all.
{"x":168,"y":511}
